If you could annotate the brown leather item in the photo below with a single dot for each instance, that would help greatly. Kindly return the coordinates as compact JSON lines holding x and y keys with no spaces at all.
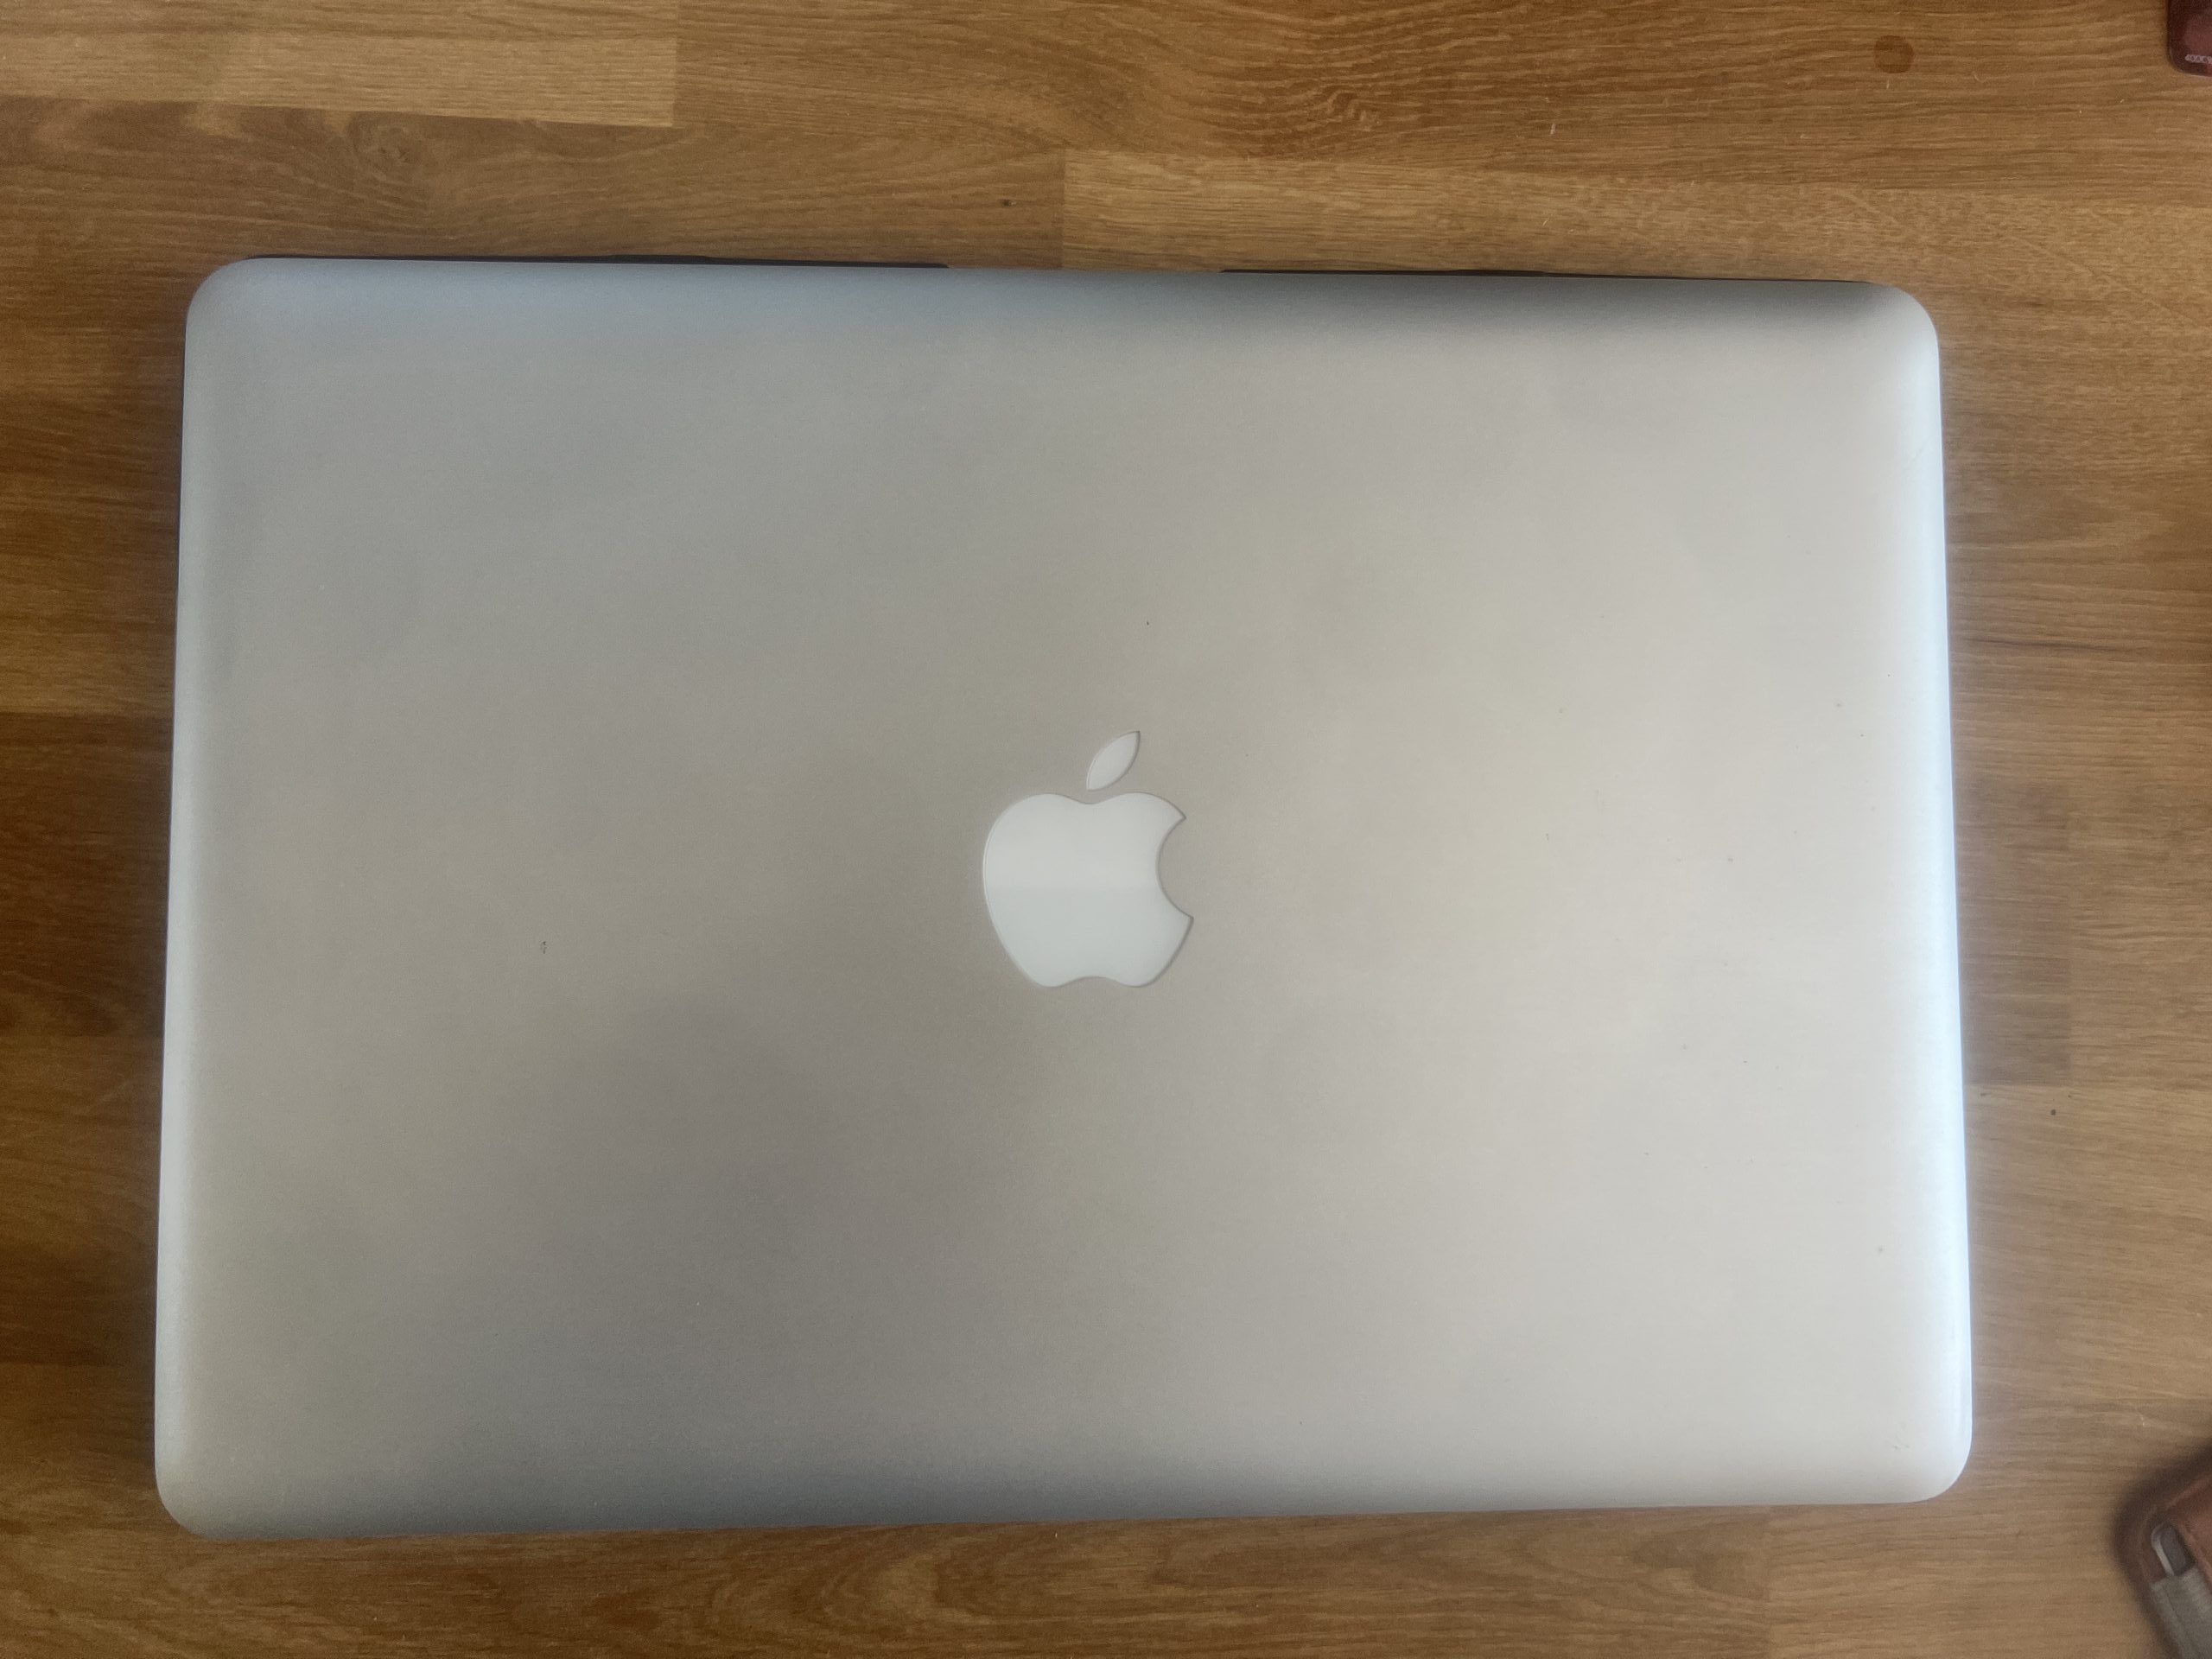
{"x":2185,"y":1503}
{"x":2166,"y":1543}
{"x":2188,"y":36}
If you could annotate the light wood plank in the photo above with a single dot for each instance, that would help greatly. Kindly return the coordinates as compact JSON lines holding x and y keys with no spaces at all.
{"x":459,"y":19}
{"x":2018,"y":1561}
{"x":612,"y":82}
{"x":2072,"y":93}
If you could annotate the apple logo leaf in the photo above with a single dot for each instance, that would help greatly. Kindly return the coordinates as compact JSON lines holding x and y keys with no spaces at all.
{"x":1110,"y":762}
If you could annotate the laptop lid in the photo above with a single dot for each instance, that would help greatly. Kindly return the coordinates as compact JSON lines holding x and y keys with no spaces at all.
{"x":848,"y":895}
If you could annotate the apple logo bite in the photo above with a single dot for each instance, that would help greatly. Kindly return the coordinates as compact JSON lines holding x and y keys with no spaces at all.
{"x":1074,"y":891}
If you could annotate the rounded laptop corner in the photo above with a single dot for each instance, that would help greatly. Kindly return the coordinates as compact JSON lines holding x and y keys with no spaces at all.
{"x":1930,"y":1464}
{"x":1900,"y":317}
{"x":218,"y":294}
{"x":1934,"y":1470}
{"x":199,"y":1485}
{"x":227,"y":295}
{"x":192,"y":1499}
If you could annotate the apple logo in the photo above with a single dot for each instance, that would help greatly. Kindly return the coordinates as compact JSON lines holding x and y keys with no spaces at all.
{"x":1074,"y":891}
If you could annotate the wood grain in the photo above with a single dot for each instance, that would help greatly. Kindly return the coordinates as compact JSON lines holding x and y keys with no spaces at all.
{"x":2031,"y":169}
{"x":614,"y":83}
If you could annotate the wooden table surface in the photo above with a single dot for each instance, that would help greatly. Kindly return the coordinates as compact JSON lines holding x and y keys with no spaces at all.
{"x":2030,"y":169}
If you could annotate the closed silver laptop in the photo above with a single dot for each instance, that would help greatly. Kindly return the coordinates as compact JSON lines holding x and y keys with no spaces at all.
{"x":839,"y":895}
